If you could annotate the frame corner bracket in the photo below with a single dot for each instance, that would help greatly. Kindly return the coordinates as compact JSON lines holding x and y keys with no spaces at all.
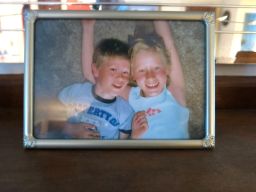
{"x":209,"y":142}
{"x":209,"y":17}
{"x":29,"y":142}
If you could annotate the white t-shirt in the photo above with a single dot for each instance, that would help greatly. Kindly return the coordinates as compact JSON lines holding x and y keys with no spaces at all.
{"x":109,"y":116}
{"x":167,"y":119}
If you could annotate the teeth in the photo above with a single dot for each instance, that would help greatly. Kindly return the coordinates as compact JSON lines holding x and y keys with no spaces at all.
{"x":117,"y":86}
{"x":151,"y":85}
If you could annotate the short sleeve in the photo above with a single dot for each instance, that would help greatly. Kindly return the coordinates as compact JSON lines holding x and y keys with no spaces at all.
{"x":65,"y":95}
{"x":73,"y":93}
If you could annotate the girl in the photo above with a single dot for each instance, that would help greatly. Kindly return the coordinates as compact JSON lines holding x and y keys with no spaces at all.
{"x":160,"y":115}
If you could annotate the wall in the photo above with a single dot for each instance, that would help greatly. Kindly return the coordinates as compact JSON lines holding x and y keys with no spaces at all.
{"x":236,"y":70}
{"x":229,"y":44}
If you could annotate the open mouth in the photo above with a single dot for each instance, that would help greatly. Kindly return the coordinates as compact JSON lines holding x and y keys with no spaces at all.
{"x":117,"y":86}
{"x":152,"y":85}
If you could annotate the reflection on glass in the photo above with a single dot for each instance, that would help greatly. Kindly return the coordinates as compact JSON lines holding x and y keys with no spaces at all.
{"x":236,"y":37}
{"x":249,"y":40}
{"x":242,"y":18}
{"x":11,"y":34}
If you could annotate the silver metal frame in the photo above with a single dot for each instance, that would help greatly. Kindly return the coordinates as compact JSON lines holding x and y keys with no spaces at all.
{"x":207,"y":142}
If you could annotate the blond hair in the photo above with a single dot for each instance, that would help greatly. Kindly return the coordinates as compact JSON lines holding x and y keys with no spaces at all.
{"x":153,"y":46}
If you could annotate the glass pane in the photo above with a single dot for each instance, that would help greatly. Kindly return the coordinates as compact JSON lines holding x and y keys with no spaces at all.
{"x":231,"y":33}
{"x":249,"y":40}
{"x":11,"y":34}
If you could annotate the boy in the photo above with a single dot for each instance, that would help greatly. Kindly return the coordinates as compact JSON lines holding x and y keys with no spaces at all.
{"x":96,"y":111}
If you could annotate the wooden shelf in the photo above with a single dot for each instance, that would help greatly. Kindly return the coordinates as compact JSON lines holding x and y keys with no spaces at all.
{"x":229,"y":167}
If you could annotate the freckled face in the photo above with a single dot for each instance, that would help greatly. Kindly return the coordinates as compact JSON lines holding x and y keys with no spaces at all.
{"x":150,"y":73}
{"x":111,"y":76}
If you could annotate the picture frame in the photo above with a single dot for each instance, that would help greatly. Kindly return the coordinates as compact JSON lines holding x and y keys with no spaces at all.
{"x":53,"y":51}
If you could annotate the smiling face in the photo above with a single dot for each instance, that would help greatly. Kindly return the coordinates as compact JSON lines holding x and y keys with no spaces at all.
{"x":149,"y":72}
{"x":111,"y":76}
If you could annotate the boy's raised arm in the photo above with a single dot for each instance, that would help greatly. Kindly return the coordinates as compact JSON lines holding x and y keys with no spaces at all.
{"x":177,"y":83}
{"x":87,"y":49}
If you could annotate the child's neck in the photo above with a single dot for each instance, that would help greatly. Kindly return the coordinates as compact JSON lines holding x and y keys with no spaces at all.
{"x":142,"y":94}
{"x":100,"y":96}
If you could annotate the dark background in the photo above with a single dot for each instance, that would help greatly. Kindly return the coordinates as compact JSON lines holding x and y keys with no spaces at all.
{"x":229,"y":167}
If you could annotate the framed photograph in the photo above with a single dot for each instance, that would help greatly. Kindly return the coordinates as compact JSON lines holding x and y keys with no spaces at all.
{"x":119,"y":79}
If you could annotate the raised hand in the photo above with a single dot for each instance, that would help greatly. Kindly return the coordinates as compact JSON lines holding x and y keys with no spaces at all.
{"x":139,"y":124}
